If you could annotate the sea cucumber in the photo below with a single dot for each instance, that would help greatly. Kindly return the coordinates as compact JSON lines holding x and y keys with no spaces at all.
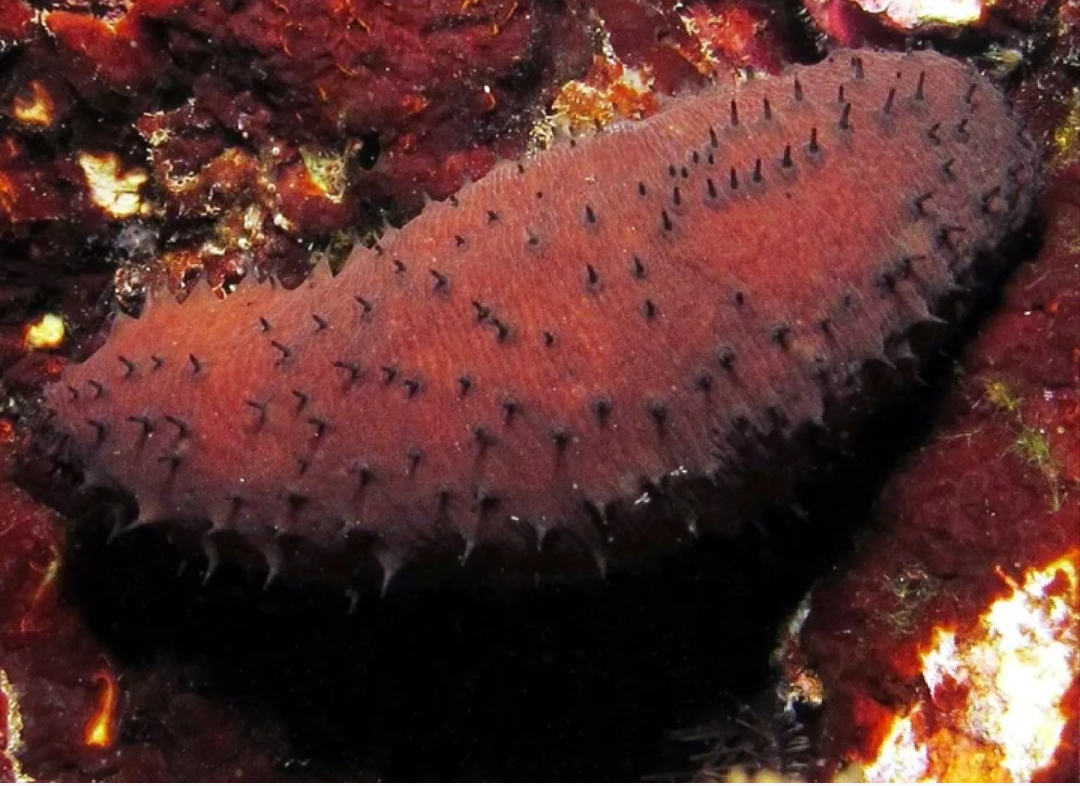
{"x":584,"y":357}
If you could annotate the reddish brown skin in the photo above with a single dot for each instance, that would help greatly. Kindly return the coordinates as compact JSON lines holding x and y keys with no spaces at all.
{"x":658,"y":397}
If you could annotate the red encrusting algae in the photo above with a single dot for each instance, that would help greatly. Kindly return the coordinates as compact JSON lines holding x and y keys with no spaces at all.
{"x":585,"y":356}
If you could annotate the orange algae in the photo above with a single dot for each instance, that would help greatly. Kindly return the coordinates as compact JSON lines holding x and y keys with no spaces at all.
{"x":100,"y":730}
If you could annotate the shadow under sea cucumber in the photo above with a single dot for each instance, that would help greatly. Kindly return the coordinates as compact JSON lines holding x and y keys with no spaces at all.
{"x":583,"y":358}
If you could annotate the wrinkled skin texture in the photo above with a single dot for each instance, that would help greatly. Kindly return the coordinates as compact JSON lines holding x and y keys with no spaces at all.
{"x":469,"y":385}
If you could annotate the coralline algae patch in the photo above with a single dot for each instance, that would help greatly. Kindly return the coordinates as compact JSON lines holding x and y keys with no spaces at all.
{"x":890,"y":22}
{"x":965,"y":606}
{"x":864,"y":22}
{"x":582,"y":358}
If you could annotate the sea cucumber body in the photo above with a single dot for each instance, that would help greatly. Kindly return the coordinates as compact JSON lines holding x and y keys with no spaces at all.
{"x":580,"y":358}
